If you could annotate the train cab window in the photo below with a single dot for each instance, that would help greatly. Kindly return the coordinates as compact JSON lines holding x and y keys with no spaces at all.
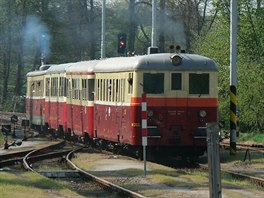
{"x":198,"y":83}
{"x":153,"y":83}
{"x":176,"y":81}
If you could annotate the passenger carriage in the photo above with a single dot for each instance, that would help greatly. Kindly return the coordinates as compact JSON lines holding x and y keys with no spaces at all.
{"x":35,"y":98}
{"x":55,"y":100}
{"x":181,"y":98}
{"x":80,"y":99}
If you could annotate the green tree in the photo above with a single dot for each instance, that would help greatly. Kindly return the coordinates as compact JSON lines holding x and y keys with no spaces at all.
{"x":250,"y":72}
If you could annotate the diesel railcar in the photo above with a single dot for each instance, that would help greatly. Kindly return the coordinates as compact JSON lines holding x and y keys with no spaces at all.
{"x":181,"y":94}
{"x":103,"y":101}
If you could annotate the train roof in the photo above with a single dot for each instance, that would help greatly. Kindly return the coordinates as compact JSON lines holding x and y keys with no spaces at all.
{"x":161,"y":61}
{"x":42,"y":71}
{"x":57,"y":69}
{"x":83,"y":66}
{"x":35,"y":73}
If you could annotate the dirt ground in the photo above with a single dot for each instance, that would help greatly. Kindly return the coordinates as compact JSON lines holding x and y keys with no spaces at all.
{"x":159,"y":182}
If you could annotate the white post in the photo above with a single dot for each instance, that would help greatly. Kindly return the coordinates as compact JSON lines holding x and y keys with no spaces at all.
{"x":103,"y":31}
{"x":213,"y":160}
{"x":233,"y":76}
{"x":154,"y":24}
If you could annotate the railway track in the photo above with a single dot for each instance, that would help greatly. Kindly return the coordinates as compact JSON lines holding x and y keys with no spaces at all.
{"x":81,"y":175}
{"x":256,"y":180}
{"x":251,"y":147}
{"x":17,"y":157}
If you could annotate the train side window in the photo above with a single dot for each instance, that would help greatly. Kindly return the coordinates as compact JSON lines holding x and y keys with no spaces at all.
{"x":117,"y":91}
{"x":103,"y":90}
{"x":72,"y":88}
{"x":198,"y":83}
{"x":91,"y":89}
{"x":98,"y":96}
{"x":54,"y":86}
{"x":113,"y":90}
{"x":68,"y":87}
{"x":62,"y":87}
{"x":122,"y":90}
{"x":106,"y":90}
{"x":130,"y":83}
{"x":76,"y":88}
{"x":84,"y":89}
{"x":110,"y":90}
{"x":47,"y":87}
{"x":176,"y":81}
{"x":153,"y":83}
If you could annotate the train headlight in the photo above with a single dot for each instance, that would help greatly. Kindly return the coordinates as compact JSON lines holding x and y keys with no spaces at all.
{"x":202,"y":113}
{"x":176,"y":59}
{"x":150,"y":113}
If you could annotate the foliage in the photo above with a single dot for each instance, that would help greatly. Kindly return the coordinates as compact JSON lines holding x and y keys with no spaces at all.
{"x":66,"y":31}
{"x":254,"y":137}
{"x":215,"y":44}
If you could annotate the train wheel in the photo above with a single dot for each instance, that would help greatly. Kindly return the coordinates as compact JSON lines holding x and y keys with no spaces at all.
{"x":67,"y":135}
{"x":86,"y":139}
{"x":60,"y":132}
{"x":139,"y":153}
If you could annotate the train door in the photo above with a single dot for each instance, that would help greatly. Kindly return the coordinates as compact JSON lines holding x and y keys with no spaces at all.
{"x":177,"y":108}
{"x":123,"y":114}
{"x":98,"y":90}
{"x":47,"y":101}
{"x":69,"y":106}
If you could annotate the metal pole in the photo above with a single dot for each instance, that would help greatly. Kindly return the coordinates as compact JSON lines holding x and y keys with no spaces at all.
{"x":213,"y":160}
{"x":144,"y":129}
{"x":233,"y":76}
{"x":103,"y":31}
{"x":154,"y":26}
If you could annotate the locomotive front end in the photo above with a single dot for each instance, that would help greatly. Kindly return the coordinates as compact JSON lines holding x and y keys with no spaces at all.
{"x":181,"y":99}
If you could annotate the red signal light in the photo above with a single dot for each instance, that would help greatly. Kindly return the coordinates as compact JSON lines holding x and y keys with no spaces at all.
{"x":122,"y":43}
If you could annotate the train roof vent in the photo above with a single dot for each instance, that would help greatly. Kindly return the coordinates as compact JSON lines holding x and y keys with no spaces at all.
{"x":44,"y":67}
{"x":153,"y":50}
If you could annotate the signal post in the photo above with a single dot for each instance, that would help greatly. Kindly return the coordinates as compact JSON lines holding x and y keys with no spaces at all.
{"x":144,"y":118}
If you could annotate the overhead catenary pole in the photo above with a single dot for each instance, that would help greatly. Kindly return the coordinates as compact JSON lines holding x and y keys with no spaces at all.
{"x":233,"y":76}
{"x":154,"y":24}
{"x":153,"y":48}
{"x":103,"y":31}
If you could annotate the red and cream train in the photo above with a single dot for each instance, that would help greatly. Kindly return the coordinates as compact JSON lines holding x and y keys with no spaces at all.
{"x":101,"y":100}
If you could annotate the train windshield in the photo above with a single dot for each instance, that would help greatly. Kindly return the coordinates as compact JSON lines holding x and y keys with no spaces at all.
{"x":153,"y":83}
{"x":198,"y":83}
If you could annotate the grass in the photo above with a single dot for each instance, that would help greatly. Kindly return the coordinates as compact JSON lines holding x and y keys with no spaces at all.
{"x":1,"y":140}
{"x":32,"y":185}
{"x":254,"y":137}
{"x":256,"y":158}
